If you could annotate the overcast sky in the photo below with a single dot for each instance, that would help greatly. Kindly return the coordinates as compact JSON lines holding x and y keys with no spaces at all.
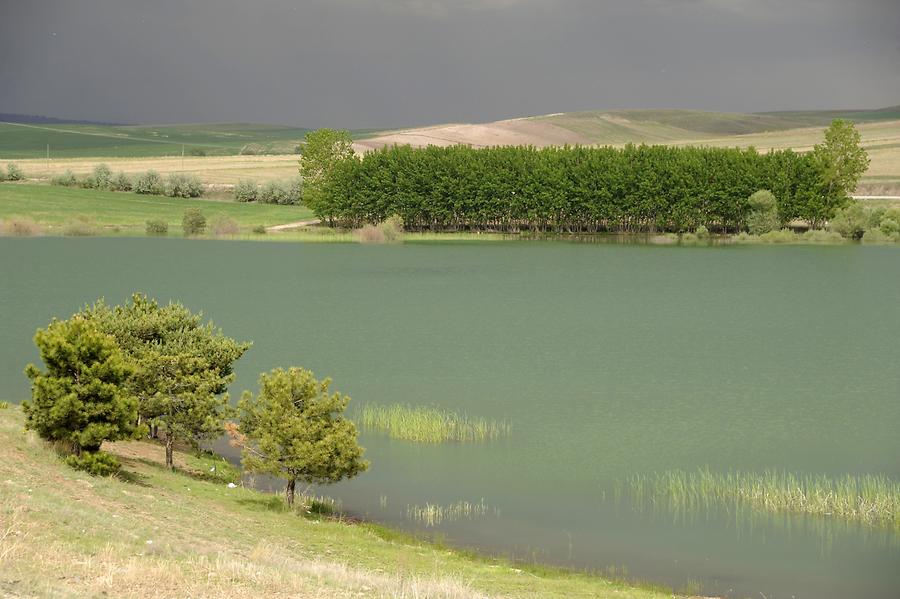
{"x":385,"y":63}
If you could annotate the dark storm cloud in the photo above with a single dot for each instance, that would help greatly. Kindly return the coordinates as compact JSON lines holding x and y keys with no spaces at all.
{"x":400,"y":62}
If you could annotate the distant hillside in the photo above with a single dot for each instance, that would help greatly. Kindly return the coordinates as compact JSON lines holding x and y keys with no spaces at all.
{"x":621,"y":127}
{"x":73,"y":140}
{"x":7,"y":117}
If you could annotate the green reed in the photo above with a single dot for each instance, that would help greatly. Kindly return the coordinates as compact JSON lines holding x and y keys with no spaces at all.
{"x":871,"y":499}
{"x":429,"y":424}
{"x":432,"y":514}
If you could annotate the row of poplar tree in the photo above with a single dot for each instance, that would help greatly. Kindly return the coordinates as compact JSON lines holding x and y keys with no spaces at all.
{"x":145,"y":369}
{"x":587,"y":189}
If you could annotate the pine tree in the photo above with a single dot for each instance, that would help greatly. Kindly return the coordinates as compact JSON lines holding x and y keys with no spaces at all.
{"x":295,"y":429}
{"x":80,"y":398}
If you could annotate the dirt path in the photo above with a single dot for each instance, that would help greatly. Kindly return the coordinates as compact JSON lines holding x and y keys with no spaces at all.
{"x":295,"y":225}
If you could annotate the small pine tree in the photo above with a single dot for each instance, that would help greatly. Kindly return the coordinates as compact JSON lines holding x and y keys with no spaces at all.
{"x":79,"y":400}
{"x":295,"y":429}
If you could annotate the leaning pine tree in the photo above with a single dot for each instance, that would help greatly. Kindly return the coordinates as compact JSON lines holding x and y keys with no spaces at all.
{"x":80,"y":399}
{"x":295,"y":429}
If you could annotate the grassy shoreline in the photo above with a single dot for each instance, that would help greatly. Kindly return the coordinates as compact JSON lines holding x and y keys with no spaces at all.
{"x":162,"y":533}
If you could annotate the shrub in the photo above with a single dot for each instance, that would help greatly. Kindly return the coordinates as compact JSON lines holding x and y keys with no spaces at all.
{"x":272,"y":192}
{"x":294,"y":191}
{"x":245,"y":191}
{"x":763,"y":216}
{"x":121,"y":182}
{"x":819,"y":236}
{"x":370,"y":234}
{"x":102,"y":177}
{"x":259,"y":229}
{"x":157,"y":227}
{"x":95,"y":463}
{"x":13,"y":172}
{"x":702,"y":233}
{"x":782,"y":236}
{"x":4,"y":405}
{"x":223,"y":225}
{"x":193,"y":222}
{"x":689,"y":239}
{"x":850,"y":221}
{"x":19,"y":226}
{"x":87,"y":183}
{"x":67,"y":179}
{"x":2,"y":175}
{"x":198,"y":152}
{"x":889,"y":227}
{"x":183,"y":186}
{"x":80,"y":226}
{"x":392,"y":228}
{"x":149,"y":183}
{"x":875,"y":236}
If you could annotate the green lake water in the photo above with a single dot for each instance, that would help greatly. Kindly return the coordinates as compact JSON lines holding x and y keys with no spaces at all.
{"x":607,"y":359}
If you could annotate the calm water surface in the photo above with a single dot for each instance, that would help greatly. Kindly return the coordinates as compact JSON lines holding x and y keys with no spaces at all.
{"x":608,"y":360}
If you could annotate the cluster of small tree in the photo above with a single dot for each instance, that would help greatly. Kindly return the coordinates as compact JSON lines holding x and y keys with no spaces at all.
{"x":579,"y":189}
{"x":12,"y":173}
{"x":142,"y":369}
{"x":874,"y":225}
{"x":175,"y":185}
{"x":288,"y":192}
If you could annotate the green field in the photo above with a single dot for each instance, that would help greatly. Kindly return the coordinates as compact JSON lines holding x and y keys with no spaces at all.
{"x":153,"y":532}
{"x":72,"y":141}
{"x":54,"y":207}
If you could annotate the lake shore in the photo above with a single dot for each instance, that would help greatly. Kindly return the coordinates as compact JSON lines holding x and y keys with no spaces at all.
{"x":156,"y":531}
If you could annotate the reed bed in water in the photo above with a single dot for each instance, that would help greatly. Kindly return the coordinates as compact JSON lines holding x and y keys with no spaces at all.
{"x":430,"y":425}
{"x":432,"y":514}
{"x":868,"y":498}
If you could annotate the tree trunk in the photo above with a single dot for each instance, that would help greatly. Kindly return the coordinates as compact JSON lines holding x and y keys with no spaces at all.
{"x":289,"y":491}
{"x":170,"y":447}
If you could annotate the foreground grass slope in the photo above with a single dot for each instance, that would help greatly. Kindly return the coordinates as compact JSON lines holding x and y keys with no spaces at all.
{"x":54,"y":206}
{"x":153,"y":532}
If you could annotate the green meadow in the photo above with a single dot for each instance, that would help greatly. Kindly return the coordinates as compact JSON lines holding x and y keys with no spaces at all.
{"x":53,"y":207}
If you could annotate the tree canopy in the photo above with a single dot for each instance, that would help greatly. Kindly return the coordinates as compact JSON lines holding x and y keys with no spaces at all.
{"x":322,"y":150}
{"x":80,"y":398}
{"x":295,"y":429}
{"x":181,"y":367}
{"x":841,"y":160}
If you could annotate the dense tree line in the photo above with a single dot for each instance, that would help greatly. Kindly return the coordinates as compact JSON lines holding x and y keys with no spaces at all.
{"x":574,"y":189}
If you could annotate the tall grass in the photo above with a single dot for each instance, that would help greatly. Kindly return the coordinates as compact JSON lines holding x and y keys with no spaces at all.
{"x":871,"y":499}
{"x":429,"y":424}
{"x":432,"y":514}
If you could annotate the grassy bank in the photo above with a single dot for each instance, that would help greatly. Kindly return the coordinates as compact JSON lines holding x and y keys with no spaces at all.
{"x":153,"y":532}
{"x":54,"y":207}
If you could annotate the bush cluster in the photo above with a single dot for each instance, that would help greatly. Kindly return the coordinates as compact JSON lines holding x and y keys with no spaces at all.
{"x":637,"y":188}
{"x":274,"y":192}
{"x":872,"y":225}
{"x":12,"y":173}
{"x":149,"y":183}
